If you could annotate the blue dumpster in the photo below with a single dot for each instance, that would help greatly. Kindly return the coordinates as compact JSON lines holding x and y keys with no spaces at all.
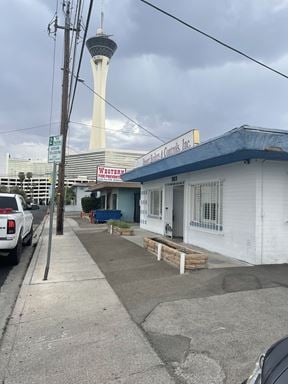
{"x":103,"y":215}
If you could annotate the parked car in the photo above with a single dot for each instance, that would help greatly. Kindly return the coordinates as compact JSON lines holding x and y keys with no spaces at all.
{"x":272,"y":366}
{"x":16,"y":226}
{"x":34,"y":206}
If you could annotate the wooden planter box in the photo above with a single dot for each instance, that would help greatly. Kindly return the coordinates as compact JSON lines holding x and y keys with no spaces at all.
{"x":120,"y":231}
{"x":173,"y":252}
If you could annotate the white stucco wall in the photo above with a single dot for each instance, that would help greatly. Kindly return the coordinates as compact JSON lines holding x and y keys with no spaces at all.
{"x":272,"y":216}
{"x":150,"y":223}
{"x":77,"y":207}
{"x":239,"y":212}
{"x":255,"y":211}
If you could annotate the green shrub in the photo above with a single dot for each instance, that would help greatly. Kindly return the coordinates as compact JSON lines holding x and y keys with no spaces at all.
{"x":119,"y":223}
{"x":89,"y":204}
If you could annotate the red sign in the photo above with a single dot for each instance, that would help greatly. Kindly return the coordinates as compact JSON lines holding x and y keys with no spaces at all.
{"x":109,"y":174}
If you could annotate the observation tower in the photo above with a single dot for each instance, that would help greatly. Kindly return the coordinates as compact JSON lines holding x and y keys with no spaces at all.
{"x":101,"y":48}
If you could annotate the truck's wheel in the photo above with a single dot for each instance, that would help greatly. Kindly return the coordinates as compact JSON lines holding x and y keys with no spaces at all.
{"x":30,"y":237}
{"x":15,"y":254}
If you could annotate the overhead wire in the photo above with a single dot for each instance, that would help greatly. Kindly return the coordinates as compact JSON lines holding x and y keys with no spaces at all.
{"x":214,"y":39}
{"x":107,"y":102}
{"x":74,"y":44}
{"x":115,"y":130}
{"x":80,"y":58}
{"x":122,"y":113}
{"x":28,"y":128}
{"x":74,"y":38}
{"x":53,"y":72}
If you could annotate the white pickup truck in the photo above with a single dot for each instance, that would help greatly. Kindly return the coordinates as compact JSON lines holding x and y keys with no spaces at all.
{"x":16,"y":226}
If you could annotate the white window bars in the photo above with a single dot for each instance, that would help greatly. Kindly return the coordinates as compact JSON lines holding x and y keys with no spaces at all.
{"x":207,"y":205}
{"x":155,"y":202}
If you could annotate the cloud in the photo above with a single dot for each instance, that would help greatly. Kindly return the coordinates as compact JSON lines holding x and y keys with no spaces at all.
{"x":166,"y":77}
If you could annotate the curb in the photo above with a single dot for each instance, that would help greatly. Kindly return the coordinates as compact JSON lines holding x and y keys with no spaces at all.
{"x":11,"y":304}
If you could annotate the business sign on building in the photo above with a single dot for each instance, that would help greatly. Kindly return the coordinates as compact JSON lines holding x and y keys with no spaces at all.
{"x":180,"y":144}
{"x":109,"y":174}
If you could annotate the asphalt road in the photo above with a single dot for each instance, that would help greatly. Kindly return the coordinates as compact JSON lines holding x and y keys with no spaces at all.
{"x":208,"y":326}
{"x":11,"y":277}
{"x":38,"y":214}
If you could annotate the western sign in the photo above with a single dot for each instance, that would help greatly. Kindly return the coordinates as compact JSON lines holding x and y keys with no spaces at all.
{"x":109,"y":174}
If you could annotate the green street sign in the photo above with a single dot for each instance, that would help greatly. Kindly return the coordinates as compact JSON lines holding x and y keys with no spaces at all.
{"x":55,"y":149}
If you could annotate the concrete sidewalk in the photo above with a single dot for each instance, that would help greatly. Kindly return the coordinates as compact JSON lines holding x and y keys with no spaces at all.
{"x":73,"y":328}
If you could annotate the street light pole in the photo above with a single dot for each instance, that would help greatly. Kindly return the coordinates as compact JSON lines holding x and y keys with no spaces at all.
{"x":64,"y":122}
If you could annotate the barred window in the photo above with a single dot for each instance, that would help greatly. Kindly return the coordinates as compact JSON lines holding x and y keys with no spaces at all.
{"x":155,"y":202}
{"x":207,"y":205}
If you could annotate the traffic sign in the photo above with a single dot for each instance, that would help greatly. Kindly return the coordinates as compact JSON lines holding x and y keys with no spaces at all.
{"x":55,"y":149}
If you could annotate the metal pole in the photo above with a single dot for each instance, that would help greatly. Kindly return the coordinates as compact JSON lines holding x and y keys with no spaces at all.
{"x":64,"y":122}
{"x":52,"y":198}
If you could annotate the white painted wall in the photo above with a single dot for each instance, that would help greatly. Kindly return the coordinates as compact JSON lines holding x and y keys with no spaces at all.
{"x":237,"y":239}
{"x":272,"y":183}
{"x":255,"y":211}
{"x":150,"y":223}
{"x":77,"y":207}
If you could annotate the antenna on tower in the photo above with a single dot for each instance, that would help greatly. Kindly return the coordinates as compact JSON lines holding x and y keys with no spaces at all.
{"x":100,"y":30}
{"x":102,"y":20}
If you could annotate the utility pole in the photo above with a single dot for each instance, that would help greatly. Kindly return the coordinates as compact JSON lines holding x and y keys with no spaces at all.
{"x":52,"y":28}
{"x":64,"y":118}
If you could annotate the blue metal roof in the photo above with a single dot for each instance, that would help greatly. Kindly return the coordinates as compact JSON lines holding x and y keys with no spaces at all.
{"x":239,"y":144}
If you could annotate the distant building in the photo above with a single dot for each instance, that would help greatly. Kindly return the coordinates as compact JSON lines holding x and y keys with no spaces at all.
{"x":80,"y":190}
{"x":85,"y":164}
{"x":80,"y":168}
{"x":38,"y":188}
{"x":80,"y":165}
{"x":37,"y":167}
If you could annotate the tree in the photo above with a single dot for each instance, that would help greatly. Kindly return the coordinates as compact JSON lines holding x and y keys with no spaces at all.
{"x":89,"y":204}
{"x":29,"y":177}
{"x":18,"y":191}
{"x":69,"y":195}
{"x":4,"y":189}
{"x":21,"y":177}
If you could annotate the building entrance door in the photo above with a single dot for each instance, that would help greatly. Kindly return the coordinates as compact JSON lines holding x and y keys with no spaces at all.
{"x":168,"y":210}
{"x":178,"y":210}
{"x":174,"y":210}
{"x":137,"y":207}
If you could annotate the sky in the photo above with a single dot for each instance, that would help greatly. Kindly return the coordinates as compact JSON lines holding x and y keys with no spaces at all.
{"x":163,"y":75}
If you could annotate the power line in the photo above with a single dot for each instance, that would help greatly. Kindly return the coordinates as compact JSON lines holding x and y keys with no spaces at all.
{"x":81,"y":56}
{"x":116,"y":131}
{"x":52,"y":86}
{"x":75,"y":37}
{"x":214,"y":39}
{"x":122,"y":113}
{"x":28,"y":128}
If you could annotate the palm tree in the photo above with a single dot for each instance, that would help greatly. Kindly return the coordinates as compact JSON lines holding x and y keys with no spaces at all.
{"x":3,"y":189}
{"x":21,"y":177}
{"x":29,"y":177}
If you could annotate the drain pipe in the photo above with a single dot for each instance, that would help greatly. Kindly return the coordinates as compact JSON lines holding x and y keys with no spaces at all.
{"x":262,"y":211}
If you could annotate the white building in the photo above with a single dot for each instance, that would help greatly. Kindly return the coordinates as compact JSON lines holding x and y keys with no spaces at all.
{"x":79,"y":169}
{"x":37,"y":189}
{"x":80,"y":190}
{"x":37,"y":167}
{"x":228,"y":195}
{"x":85,"y":164}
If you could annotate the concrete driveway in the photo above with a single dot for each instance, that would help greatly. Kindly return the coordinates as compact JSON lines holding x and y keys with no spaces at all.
{"x":208,"y":326}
